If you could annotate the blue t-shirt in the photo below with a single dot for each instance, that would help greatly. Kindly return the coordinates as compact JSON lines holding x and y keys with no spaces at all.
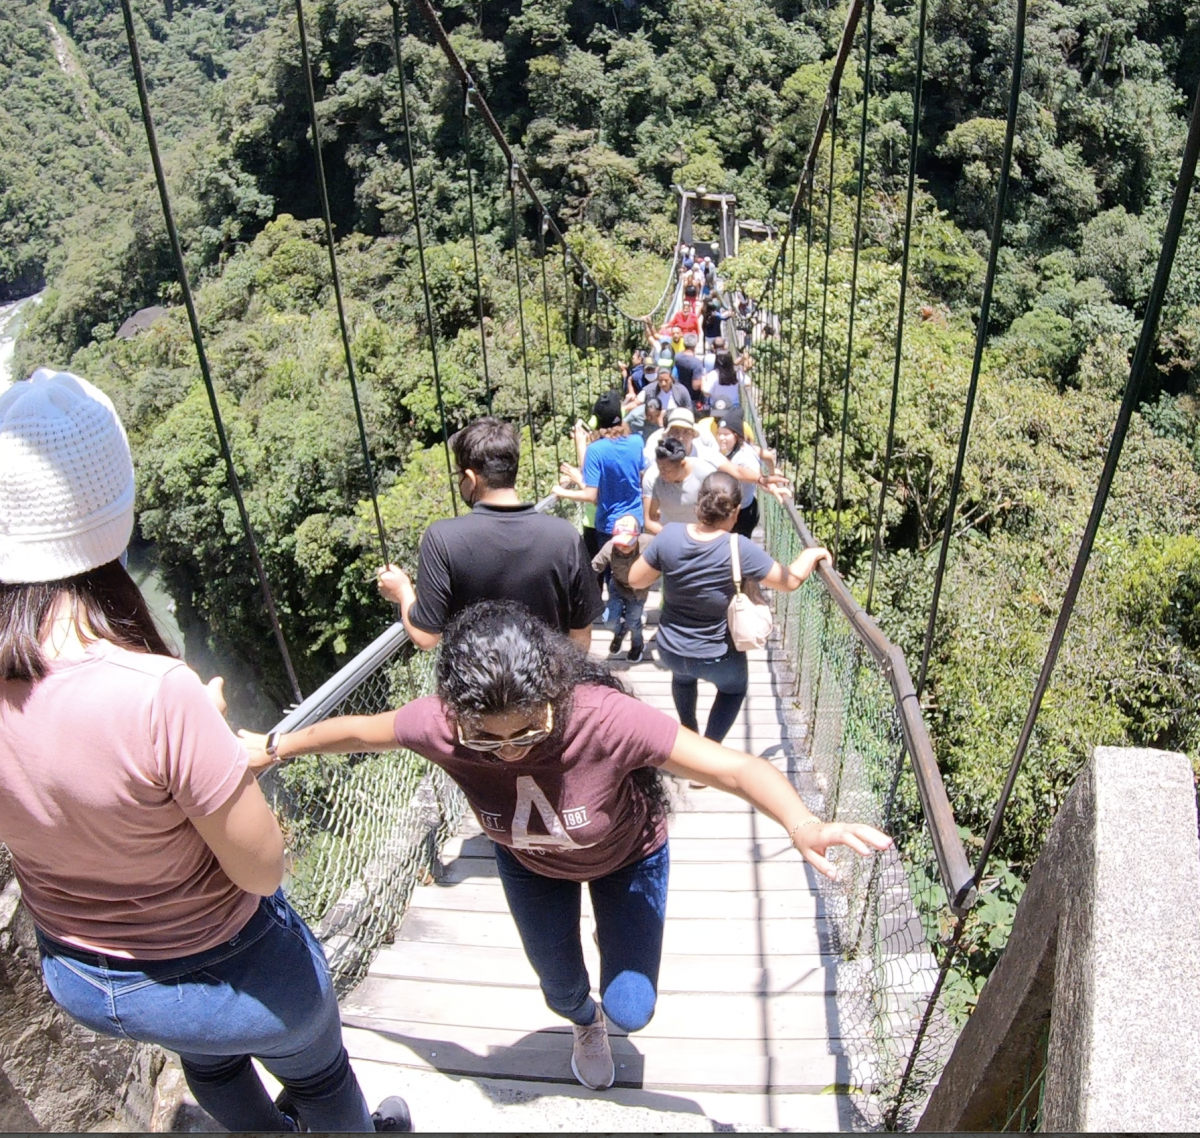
{"x":697,"y":588}
{"x":614,"y":467}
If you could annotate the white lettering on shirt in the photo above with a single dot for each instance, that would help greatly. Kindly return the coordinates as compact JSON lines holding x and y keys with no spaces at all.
{"x":491,"y":821}
{"x":575,"y":817}
{"x":529,"y":795}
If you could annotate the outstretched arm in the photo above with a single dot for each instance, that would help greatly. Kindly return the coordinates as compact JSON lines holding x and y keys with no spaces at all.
{"x":341,"y":735}
{"x":766,"y":789}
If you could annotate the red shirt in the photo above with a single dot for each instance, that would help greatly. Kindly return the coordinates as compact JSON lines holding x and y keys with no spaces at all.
{"x":686,"y":322}
{"x":569,"y":808}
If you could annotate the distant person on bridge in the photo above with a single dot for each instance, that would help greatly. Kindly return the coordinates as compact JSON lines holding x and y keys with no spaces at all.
{"x":147,"y":856}
{"x":611,"y":476}
{"x":669,"y":391}
{"x":696,"y":564}
{"x":503,"y":550}
{"x":671,"y":489}
{"x":690,"y":370}
{"x":527,"y":725}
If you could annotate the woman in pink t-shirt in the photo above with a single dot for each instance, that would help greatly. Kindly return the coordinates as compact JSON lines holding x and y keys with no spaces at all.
{"x":561,"y":768}
{"x":146,"y":854}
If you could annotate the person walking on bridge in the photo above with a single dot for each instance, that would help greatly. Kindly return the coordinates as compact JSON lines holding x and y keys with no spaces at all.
{"x":561,"y":768}
{"x":696,"y":564}
{"x":502,"y":550}
{"x":146,"y":853}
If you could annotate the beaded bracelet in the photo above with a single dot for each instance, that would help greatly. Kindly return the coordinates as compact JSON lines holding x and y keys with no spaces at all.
{"x":813,"y":821}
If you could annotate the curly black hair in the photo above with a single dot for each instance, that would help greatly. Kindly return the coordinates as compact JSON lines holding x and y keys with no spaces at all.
{"x":496,"y":656}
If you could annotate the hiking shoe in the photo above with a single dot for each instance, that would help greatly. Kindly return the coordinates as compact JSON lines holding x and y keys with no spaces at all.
{"x":615,"y":646}
{"x":392,"y":1114}
{"x":635,"y":654}
{"x":592,"y":1060}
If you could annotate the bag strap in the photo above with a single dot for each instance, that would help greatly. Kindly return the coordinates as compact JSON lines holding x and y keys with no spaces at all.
{"x":734,"y":556}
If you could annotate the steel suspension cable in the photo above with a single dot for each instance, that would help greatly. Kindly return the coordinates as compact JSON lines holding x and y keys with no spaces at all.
{"x":549,"y":348}
{"x":889,"y":450}
{"x":1133,"y":390}
{"x":804,"y":328}
{"x":516,"y":240}
{"x":858,"y":210}
{"x":235,"y":485}
{"x":487,"y":379}
{"x":416,"y":208}
{"x":981,"y":333}
{"x":824,"y":305}
{"x":787,"y":442}
{"x":569,"y":330}
{"x":335,"y":276}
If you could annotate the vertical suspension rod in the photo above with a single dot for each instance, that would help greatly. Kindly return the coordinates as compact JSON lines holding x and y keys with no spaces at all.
{"x":981,"y":332}
{"x":235,"y":485}
{"x":913,"y":145}
{"x":335,"y":276}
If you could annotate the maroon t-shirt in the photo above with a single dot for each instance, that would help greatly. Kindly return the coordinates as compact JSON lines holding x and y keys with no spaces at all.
{"x":569,"y":808}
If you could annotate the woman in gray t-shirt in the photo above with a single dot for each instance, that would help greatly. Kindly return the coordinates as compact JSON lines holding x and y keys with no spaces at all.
{"x":697,"y":570}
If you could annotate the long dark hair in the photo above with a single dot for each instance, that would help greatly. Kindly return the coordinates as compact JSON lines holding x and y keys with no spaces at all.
{"x":496,"y":656}
{"x":725,"y":367}
{"x":105,"y":605}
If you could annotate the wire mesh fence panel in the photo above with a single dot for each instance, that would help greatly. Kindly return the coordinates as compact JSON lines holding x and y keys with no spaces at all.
{"x":888,"y":916}
{"x":364,"y":829}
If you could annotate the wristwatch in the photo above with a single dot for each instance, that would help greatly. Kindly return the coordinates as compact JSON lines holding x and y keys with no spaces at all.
{"x":272,"y":746}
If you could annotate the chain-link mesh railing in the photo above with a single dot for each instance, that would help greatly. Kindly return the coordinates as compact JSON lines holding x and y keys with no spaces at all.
{"x":362,"y":830}
{"x":888,"y":914}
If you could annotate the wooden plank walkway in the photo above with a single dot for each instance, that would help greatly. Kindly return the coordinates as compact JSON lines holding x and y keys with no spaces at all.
{"x":745,"y":1035}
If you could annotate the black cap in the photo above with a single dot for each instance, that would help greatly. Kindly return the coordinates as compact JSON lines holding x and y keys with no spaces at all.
{"x":607,"y":410}
{"x":731,"y":419}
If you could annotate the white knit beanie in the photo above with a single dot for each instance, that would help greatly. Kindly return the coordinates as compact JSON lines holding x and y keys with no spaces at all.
{"x":66,"y":479}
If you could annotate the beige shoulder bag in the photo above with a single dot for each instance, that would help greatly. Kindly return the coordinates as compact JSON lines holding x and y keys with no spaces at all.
{"x":749,"y":623}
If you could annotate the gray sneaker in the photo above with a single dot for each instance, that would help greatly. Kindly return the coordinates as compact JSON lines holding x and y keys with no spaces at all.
{"x":592,"y":1060}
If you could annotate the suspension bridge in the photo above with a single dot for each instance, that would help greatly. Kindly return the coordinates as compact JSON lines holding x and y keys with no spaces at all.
{"x":785,"y":1003}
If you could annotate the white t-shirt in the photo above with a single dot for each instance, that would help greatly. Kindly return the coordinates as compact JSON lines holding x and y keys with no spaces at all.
{"x":746,"y":459}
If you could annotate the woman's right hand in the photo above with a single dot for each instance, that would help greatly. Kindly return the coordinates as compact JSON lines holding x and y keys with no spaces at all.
{"x":809,"y":560}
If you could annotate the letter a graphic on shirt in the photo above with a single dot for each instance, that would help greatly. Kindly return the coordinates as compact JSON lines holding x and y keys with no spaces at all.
{"x":529,"y":794}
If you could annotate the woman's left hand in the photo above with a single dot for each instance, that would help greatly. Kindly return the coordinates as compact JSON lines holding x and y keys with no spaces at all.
{"x":814,"y":840}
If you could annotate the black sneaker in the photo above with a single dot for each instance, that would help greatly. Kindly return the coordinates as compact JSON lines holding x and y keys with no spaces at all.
{"x":615,"y":647}
{"x":635,"y":654}
{"x":392,"y":1115}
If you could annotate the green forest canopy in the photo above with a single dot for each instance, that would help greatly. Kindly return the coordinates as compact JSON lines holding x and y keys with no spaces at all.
{"x":608,"y":105}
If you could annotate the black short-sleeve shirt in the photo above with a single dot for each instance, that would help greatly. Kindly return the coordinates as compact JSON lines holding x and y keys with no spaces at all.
{"x":505,"y":553}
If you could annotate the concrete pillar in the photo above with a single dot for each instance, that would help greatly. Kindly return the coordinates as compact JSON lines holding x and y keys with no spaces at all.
{"x":1105,"y":943}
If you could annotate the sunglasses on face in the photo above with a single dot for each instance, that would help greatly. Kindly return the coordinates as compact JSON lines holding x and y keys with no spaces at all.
{"x":525,"y":739}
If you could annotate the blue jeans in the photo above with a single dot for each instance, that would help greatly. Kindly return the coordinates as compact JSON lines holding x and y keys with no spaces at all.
{"x":266,"y":992}
{"x":730,"y":675}
{"x":627,"y":613}
{"x":630,"y":907}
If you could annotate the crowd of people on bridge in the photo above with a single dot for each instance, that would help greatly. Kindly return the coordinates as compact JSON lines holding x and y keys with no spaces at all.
{"x":146,"y":853}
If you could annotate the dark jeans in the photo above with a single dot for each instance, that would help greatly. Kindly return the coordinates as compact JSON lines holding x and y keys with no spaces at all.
{"x":728,"y":672}
{"x":266,"y":992}
{"x":630,"y":907}
{"x":627,"y":613}
{"x":747,"y":519}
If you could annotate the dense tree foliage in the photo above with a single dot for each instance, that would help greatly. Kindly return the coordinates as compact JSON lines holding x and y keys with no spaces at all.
{"x":607,"y":106}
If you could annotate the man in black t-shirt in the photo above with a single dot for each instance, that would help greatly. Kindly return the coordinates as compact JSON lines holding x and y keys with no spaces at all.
{"x":503,"y":550}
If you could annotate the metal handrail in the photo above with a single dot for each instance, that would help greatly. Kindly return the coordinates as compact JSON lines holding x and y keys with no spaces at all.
{"x":956,"y":873}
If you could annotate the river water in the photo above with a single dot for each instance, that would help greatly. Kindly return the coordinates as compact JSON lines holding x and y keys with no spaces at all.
{"x":249,"y":705}
{"x":12,"y":317}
